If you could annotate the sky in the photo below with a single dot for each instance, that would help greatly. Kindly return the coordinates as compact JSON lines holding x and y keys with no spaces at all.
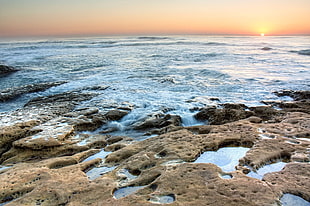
{"x":129,"y":17}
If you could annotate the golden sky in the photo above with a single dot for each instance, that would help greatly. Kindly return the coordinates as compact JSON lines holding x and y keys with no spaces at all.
{"x":95,"y":17}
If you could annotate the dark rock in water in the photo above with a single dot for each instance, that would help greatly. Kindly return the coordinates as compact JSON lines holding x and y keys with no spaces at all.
{"x":296,"y":95}
{"x":7,"y":70}
{"x":215,"y":99}
{"x":266,"y":48}
{"x":234,"y":106}
{"x":159,"y":122}
{"x":67,"y":97}
{"x":304,"y":52}
{"x":11,"y":93}
{"x":115,"y":115}
{"x":230,"y":113}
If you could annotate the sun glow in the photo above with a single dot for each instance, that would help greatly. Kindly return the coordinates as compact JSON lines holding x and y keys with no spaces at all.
{"x":262,"y":34}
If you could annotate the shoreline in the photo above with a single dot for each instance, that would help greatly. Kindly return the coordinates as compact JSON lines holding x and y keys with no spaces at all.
{"x":44,"y":152}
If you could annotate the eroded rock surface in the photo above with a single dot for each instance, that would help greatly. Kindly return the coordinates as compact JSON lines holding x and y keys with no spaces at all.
{"x":52,"y":155}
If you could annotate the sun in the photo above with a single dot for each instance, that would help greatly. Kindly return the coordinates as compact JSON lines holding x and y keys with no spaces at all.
{"x":262,"y":34}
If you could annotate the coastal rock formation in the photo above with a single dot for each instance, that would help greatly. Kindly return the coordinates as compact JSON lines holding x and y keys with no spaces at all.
{"x":11,"y":93}
{"x":230,"y":113}
{"x":293,"y":179}
{"x":52,"y":156}
{"x":159,"y":121}
{"x":4,"y":70}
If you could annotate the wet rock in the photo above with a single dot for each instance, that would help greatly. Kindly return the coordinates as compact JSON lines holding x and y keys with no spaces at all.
{"x":234,"y":106}
{"x":296,"y":95}
{"x":265,"y":112}
{"x":293,"y":179}
{"x":304,"y":52}
{"x":159,"y":122}
{"x":266,"y":48}
{"x":4,"y":70}
{"x":201,"y":184}
{"x":229,"y":113}
{"x":56,"y":138}
{"x":70,"y":97}
{"x":162,"y":169}
{"x":50,"y":182}
{"x":11,"y":93}
{"x":115,"y":115}
{"x":15,"y":132}
{"x":279,"y":141}
{"x":83,"y":111}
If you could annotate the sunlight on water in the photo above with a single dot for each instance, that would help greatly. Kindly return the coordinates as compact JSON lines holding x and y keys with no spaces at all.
{"x":226,"y":158}
{"x":293,"y":200}
{"x":157,"y":73}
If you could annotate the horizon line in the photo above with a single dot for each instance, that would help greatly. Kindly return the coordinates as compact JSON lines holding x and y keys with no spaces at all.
{"x":142,"y":34}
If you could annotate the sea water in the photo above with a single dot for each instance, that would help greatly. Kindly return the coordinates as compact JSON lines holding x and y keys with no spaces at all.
{"x":171,"y":74}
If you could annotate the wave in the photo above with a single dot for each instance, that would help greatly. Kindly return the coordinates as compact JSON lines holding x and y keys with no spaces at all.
{"x":78,"y":44}
{"x":151,"y":38}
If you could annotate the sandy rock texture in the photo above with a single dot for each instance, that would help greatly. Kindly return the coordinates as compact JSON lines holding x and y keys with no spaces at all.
{"x":46,"y":160}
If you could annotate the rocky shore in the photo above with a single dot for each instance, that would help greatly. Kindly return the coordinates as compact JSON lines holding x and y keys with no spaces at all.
{"x":49,"y":154}
{"x":6,"y":70}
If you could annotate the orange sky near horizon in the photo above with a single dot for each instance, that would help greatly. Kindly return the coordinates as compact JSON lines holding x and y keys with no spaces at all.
{"x":96,"y":17}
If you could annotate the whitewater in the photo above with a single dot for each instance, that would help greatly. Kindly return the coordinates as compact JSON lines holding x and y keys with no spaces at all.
{"x":159,"y":74}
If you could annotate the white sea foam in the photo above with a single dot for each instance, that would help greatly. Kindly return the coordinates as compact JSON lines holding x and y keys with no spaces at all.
{"x":154,"y":73}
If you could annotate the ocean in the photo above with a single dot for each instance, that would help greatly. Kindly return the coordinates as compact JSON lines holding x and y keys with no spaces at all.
{"x":160,"y":74}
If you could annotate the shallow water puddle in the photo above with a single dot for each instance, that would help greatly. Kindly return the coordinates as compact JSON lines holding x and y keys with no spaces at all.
{"x":275,"y":167}
{"x":98,"y":172}
{"x":226,"y":158}
{"x":126,"y":174}
{"x":125,"y":191}
{"x":226,"y":176}
{"x":2,"y":168}
{"x":293,"y":200}
{"x":102,"y":154}
{"x":165,"y":199}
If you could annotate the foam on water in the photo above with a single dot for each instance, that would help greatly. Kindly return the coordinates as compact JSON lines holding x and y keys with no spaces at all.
{"x":153,"y":73}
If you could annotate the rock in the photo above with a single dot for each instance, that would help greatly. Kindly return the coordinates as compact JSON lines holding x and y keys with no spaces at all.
{"x":254,"y":119}
{"x":49,"y":169}
{"x":265,"y":112}
{"x":216,"y":116}
{"x":234,"y":106}
{"x":7,"y":70}
{"x":11,"y":93}
{"x":49,"y":182}
{"x":13,"y":133}
{"x":160,"y":121}
{"x":296,"y":95}
{"x":201,"y":184}
{"x":293,"y":179}
{"x":266,"y":48}
{"x":68,"y":97}
{"x":304,"y":52}
{"x":115,"y":115}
